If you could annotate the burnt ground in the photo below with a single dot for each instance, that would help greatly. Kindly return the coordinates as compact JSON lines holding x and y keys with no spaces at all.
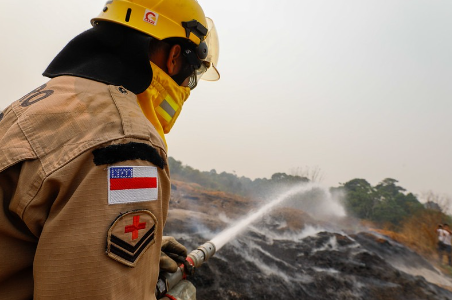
{"x":290,"y":255}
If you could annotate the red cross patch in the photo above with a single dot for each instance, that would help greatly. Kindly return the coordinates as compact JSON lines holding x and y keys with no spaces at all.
{"x":130,"y":235}
{"x":135,"y":227}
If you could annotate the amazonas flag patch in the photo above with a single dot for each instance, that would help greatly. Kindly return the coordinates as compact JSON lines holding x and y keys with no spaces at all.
{"x":132,"y":184}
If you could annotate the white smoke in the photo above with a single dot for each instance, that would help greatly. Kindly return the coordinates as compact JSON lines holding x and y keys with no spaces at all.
{"x":308,"y":230}
{"x":429,"y":275}
{"x":249,"y":254}
{"x":331,"y":244}
{"x":319,"y":202}
{"x":326,"y":270}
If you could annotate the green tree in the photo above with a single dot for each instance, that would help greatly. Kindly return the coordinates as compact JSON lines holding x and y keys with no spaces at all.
{"x":388,"y":211}
{"x":361,"y":198}
{"x":388,"y":188}
{"x":386,"y":203}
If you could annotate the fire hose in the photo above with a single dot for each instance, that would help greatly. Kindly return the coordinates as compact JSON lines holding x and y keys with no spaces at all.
{"x":194,"y":260}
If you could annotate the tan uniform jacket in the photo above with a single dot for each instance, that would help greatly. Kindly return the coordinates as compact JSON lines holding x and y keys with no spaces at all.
{"x":68,"y":230}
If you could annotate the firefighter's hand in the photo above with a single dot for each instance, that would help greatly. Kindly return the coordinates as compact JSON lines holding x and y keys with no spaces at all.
{"x":184,"y":290}
{"x":172,"y":255}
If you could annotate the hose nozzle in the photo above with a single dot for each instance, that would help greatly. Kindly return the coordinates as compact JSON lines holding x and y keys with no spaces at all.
{"x":195,"y":259}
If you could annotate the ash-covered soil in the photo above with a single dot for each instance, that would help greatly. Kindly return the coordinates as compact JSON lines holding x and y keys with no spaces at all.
{"x":291,"y":255}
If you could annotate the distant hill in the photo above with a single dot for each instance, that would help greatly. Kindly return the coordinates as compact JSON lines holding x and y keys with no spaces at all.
{"x":386,"y":204}
{"x":228,"y":182}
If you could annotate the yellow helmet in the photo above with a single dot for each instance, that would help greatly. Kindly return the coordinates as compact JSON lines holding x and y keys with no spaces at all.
{"x":164,"y":19}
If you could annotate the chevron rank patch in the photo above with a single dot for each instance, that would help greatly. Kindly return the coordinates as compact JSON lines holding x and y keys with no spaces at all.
{"x":130,"y":235}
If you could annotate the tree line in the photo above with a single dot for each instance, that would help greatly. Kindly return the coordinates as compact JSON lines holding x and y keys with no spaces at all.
{"x":386,"y":204}
{"x":228,"y":182}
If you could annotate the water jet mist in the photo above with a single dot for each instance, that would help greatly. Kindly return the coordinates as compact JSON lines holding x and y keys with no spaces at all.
{"x":226,"y":235}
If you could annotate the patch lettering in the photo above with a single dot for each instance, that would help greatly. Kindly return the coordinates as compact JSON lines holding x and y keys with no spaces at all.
{"x":132,"y":184}
{"x":130,"y":236}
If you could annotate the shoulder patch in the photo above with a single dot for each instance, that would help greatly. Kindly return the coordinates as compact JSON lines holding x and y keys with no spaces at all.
{"x":130,"y":235}
{"x":132,"y":184}
{"x":130,"y":151}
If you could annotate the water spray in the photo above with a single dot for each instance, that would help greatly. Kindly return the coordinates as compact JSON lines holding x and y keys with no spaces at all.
{"x":197,"y":257}
{"x":228,"y":234}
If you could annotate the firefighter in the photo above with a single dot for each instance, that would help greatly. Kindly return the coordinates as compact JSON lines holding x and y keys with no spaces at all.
{"x":84,"y":179}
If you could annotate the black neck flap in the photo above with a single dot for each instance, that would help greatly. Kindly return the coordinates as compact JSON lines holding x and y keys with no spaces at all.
{"x":108,"y":53}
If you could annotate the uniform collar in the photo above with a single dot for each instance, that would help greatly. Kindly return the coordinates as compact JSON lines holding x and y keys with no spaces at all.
{"x":108,"y":53}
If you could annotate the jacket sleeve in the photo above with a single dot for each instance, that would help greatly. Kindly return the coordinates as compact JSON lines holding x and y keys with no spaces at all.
{"x":100,"y":229}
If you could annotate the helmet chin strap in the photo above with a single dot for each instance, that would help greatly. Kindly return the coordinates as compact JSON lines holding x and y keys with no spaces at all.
{"x":185,"y":72}
{"x":190,"y":65}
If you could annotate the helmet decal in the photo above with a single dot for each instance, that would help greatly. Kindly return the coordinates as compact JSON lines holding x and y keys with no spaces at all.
{"x":166,"y":16}
{"x":151,"y":17}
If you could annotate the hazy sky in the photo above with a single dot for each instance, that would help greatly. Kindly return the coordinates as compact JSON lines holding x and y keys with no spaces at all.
{"x":357,"y":88}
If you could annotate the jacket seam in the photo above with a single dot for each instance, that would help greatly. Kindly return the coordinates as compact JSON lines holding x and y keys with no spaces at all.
{"x":23,"y":132}
{"x":47,"y":175}
{"x":28,"y":140}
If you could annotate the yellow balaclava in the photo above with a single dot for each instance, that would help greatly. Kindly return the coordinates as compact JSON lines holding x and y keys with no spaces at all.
{"x":162,"y":102}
